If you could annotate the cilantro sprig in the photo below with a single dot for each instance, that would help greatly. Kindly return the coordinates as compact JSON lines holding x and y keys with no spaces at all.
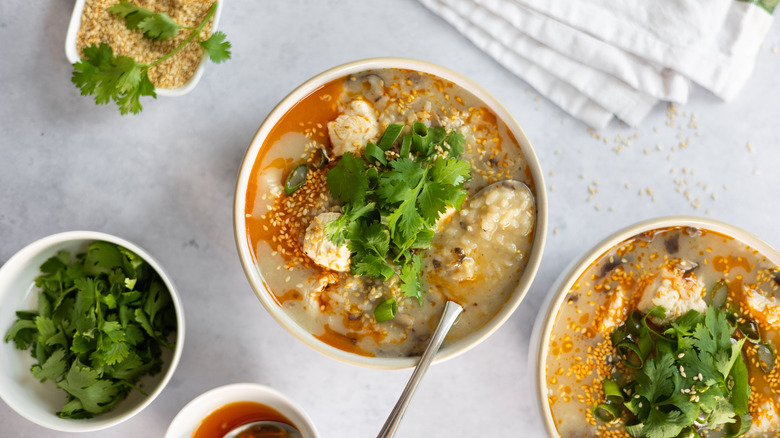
{"x":99,"y":327}
{"x":690,"y":374}
{"x":124,"y":80}
{"x":390,"y":206}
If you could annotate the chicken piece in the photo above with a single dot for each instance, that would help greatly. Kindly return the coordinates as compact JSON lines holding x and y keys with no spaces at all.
{"x":353,"y":129}
{"x":321,"y":250}
{"x":615,"y":313}
{"x":763,"y":309}
{"x":674,"y":292}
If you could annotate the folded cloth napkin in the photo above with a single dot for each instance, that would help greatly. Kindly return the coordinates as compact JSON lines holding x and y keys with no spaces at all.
{"x":598,"y":59}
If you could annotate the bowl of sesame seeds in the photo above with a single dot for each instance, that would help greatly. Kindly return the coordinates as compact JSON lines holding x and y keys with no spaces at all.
{"x":358,"y":272}
{"x":664,"y":300}
{"x":93,"y":23}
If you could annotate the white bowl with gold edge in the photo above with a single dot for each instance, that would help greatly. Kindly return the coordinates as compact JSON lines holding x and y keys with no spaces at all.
{"x":543,"y":326}
{"x":39,"y":401}
{"x":254,"y":150}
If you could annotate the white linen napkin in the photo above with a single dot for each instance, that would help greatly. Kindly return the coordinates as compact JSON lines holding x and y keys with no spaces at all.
{"x":602,"y":58}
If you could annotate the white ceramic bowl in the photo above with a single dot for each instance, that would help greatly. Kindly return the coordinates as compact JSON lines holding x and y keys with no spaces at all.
{"x":255,"y":276}
{"x":74,"y":56}
{"x":546,"y":318}
{"x":185,"y":422}
{"x":39,"y":402}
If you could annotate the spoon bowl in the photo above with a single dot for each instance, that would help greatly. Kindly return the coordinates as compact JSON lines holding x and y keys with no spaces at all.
{"x":264,"y":429}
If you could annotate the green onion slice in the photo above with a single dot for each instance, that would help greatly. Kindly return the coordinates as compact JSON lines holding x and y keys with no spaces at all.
{"x":631,"y":355}
{"x":390,"y":136}
{"x":739,"y":427}
{"x":766,"y":357}
{"x":386,"y":310}
{"x":318,"y":163}
{"x":420,"y":139}
{"x":634,"y":323}
{"x":606,"y":412}
{"x":719,"y":294}
{"x":618,"y":335}
{"x":376,"y":153}
{"x":612,"y":392}
{"x":749,"y":328}
{"x":296,"y":178}
{"x":406,"y":146}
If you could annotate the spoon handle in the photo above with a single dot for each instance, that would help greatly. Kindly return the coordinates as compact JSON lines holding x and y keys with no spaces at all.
{"x":451,"y":312}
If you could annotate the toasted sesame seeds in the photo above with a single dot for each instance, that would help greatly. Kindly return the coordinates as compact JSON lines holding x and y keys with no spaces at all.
{"x":99,"y":25}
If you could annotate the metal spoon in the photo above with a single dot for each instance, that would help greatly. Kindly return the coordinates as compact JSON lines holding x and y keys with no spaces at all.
{"x":451,"y":312}
{"x":266,"y":428}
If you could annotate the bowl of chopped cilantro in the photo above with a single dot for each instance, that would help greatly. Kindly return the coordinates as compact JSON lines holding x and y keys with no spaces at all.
{"x":92,"y":328}
{"x":668,"y":328}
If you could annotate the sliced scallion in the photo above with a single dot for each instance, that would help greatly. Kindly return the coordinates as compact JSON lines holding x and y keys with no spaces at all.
{"x":606,"y":412}
{"x":296,"y":178}
{"x":612,"y":392}
{"x":320,"y":160}
{"x":375,"y":152}
{"x":390,"y":136}
{"x":420,"y":139}
{"x":749,"y":329}
{"x":386,"y":310}
{"x":739,"y":427}
{"x":719,"y":294}
{"x":406,"y":146}
{"x":766,"y":357}
{"x":631,"y":355}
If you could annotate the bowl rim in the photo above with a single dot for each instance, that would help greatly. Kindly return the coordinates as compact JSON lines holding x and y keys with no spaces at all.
{"x":557,"y":292}
{"x":22,"y":258}
{"x":247,"y":163}
{"x":72,"y":53}
{"x":237,"y":392}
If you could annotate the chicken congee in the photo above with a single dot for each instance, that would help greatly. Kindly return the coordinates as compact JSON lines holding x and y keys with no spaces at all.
{"x":671,"y":333}
{"x":379,"y":196}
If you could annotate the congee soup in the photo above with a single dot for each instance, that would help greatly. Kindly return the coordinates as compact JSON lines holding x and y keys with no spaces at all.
{"x":671,"y":333}
{"x":379,"y":196}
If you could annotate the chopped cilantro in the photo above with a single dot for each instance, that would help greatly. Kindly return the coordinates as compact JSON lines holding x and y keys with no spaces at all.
{"x":390,"y":207}
{"x":100,"y":323}
{"x":693,"y":375}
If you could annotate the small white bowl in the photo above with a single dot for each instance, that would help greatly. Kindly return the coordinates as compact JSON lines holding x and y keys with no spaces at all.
{"x":256,"y":277}
{"x":188,"y":419}
{"x":74,"y":56}
{"x":39,"y":402}
{"x":545,"y":320}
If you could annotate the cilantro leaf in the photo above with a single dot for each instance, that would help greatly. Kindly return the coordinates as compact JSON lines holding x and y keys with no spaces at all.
{"x":216,"y":47}
{"x":123,"y":80}
{"x":410,"y":276}
{"x":54,"y":367}
{"x":155,"y":26}
{"x":82,"y":383}
{"x":347,"y":181}
{"x":23,"y":333}
{"x":107,"y":77}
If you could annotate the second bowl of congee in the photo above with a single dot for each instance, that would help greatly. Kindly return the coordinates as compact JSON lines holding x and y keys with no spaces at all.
{"x":379,"y":190}
{"x":667,"y":329}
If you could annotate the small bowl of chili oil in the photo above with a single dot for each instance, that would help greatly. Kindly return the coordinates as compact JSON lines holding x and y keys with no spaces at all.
{"x":217,"y":411}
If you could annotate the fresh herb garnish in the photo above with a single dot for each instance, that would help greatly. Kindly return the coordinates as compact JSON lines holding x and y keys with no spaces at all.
{"x":391,"y":205}
{"x":124,"y":80}
{"x":100,"y":323}
{"x":689,"y":374}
